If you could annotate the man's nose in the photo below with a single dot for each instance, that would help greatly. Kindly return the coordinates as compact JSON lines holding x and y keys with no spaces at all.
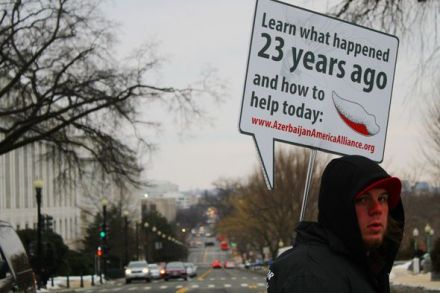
{"x":375,"y":207}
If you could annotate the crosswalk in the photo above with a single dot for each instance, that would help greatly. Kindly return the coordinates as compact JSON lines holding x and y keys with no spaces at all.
{"x":209,"y":283}
{"x":176,"y":287}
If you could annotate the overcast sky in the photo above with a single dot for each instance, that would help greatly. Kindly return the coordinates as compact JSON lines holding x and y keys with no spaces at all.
{"x":197,"y":34}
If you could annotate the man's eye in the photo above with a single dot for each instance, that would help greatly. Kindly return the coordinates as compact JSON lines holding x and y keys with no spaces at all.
{"x":384,"y":197}
{"x":361,"y":199}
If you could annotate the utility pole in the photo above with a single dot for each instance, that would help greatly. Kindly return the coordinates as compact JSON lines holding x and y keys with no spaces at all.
{"x":103,"y":236}
{"x":38,"y":185}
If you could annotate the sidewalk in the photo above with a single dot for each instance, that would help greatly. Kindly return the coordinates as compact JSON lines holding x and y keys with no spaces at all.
{"x":60,"y":284}
{"x":403,"y":280}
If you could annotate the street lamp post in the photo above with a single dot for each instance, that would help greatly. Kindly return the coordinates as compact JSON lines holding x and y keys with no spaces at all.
{"x":428,"y":237}
{"x":147,"y":246}
{"x":125,"y":213}
{"x":137,"y":240}
{"x":104,"y":203}
{"x":416,"y":261}
{"x":415,"y":234}
{"x":38,"y":185}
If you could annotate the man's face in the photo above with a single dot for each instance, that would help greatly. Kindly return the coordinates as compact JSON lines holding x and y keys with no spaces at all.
{"x":372,"y":215}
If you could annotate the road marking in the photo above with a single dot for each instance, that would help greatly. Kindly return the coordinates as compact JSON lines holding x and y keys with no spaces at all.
{"x":205,"y":255}
{"x":163,"y":287}
{"x":211,"y":286}
{"x":147,"y":288}
{"x":244,"y":285}
{"x":131,"y":289}
{"x":252,"y":286}
{"x":202,"y":277}
{"x":179,"y":286}
{"x":244,"y":278}
{"x":234,"y":278}
{"x":222,"y":278}
{"x":211,"y":279}
{"x":261,"y":284}
{"x":227,"y":285}
{"x":195,"y":286}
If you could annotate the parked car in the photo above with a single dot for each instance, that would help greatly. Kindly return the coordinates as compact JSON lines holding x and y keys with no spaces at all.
{"x":16,"y":274}
{"x":154,"y":271}
{"x":224,"y":245}
{"x":175,"y":270}
{"x":209,"y":242}
{"x":191,"y":269}
{"x":162,"y":267}
{"x":216,"y":264}
{"x":229,"y":264}
{"x":137,"y":270}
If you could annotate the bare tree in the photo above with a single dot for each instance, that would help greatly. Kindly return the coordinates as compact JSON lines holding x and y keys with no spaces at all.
{"x":431,"y":148}
{"x":60,"y":83}
{"x":266,"y":218}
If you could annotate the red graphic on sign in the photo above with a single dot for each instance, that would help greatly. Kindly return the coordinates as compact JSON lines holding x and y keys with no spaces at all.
{"x":355,"y":116}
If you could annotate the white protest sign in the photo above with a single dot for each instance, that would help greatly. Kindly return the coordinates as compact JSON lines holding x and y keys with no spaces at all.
{"x":316,"y":81}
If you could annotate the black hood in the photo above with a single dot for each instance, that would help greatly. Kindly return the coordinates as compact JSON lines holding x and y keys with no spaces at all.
{"x":342,"y":179}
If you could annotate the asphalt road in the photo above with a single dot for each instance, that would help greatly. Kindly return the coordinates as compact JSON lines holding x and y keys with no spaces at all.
{"x":208,"y":280}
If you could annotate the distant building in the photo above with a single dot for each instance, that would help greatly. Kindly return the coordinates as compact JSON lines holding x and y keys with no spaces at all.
{"x":157,"y":188}
{"x":165,"y":206}
{"x":422,"y":188}
{"x":96,"y":186}
{"x":165,"y":197}
{"x":418,"y":188}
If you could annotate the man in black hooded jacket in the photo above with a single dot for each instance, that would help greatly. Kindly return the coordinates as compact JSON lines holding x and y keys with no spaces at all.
{"x":353,"y":245}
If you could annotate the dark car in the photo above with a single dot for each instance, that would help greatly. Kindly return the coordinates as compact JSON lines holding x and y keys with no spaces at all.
{"x":16,"y":274}
{"x":175,"y":270}
{"x":137,"y":270}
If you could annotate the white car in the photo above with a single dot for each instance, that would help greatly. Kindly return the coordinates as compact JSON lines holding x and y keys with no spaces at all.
{"x":137,"y":270}
{"x":191,"y":269}
{"x":154,"y":271}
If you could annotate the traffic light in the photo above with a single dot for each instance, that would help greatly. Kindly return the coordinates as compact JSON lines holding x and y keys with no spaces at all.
{"x":49,"y":223}
{"x":103,"y":232}
{"x":99,"y":251}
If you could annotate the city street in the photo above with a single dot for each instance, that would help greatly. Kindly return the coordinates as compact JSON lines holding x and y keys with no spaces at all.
{"x":208,"y":280}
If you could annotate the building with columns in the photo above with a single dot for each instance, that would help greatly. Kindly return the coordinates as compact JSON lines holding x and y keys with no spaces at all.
{"x":18,"y":170}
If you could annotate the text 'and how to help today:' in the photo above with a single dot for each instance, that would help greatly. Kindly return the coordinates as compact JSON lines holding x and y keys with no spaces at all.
{"x":318,"y":82}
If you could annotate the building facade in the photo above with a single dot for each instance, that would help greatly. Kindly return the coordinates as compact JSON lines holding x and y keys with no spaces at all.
{"x":18,"y":206}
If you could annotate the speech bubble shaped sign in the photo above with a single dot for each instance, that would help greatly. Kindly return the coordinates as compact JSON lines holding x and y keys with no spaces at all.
{"x":316,"y":81}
